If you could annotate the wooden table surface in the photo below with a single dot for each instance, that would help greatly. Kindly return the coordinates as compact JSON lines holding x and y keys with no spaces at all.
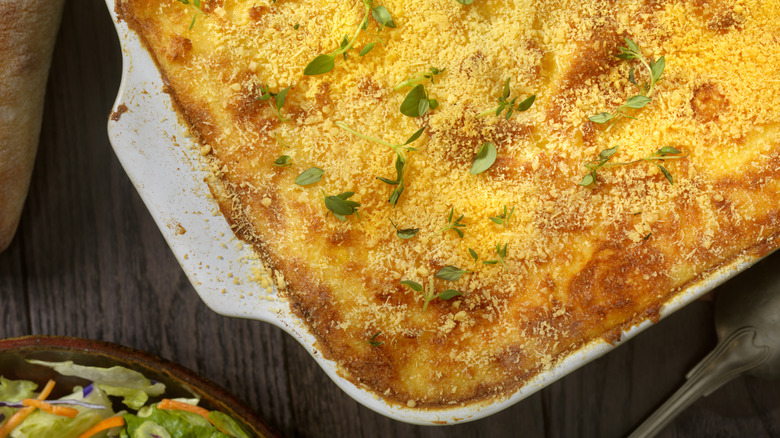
{"x":88,"y":261}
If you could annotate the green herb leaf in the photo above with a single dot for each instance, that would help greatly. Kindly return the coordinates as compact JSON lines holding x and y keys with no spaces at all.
{"x":195,"y":4}
{"x":419,"y":77}
{"x":657,"y":68}
{"x":473,"y":254}
{"x":655,"y":71}
{"x":602,"y":162}
{"x":367,"y":48}
{"x":588,"y":180}
{"x":485,"y":158}
{"x":503,"y":218}
{"x":320,"y":65}
{"x":417,"y":287}
{"x":666,"y":150}
{"x":449,"y":294}
{"x":637,"y":102}
{"x":504,"y":103}
{"x":309,"y":176}
{"x":400,"y":162}
{"x":340,"y":205}
{"x":276,"y":100}
{"x":416,"y":102}
{"x":454,"y":226}
{"x":280,"y":97}
{"x":283,"y":161}
{"x":383,"y":17}
{"x":373,"y":342}
{"x":405,"y":233}
{"x":465,"y":2}
{"x":606,"y":153}
{"x":450,"y":273}
{"x":525,"y":105}
{"x":601,"y":118}
{"x":666,"y":173}
{"x":415,"y":136}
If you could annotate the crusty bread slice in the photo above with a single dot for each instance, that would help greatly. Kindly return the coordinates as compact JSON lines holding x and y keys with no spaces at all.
{"x":28,"y":29}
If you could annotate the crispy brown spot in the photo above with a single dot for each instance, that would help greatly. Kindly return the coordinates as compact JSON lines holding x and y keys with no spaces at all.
{"x":340,"y":236}
{"x":121,"y":109}
{"x":368,"y":87}
{"x":594,"y":60}
{"x":210,"y":5}
{"x":323,"y":94}
{"x":178,"y":48}
{"x":724,"y":22}
{"x":708,"y":102}
{"x":471,"y":64}
{"x":257,"y":12}
{"x":249,"y":110}
{"x":461,"y":139}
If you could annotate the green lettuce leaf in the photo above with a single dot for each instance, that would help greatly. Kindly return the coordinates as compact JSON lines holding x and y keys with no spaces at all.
{"x":178,"y":424}
{"x":119,"y":381}
{"x":42,"y":424}
{"x":14,"y":391}
{"x":225,"y":423}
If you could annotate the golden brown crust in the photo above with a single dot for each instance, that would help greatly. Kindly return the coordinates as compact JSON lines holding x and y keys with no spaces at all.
{"x":583,"y":263}
{"x":27,"y":32}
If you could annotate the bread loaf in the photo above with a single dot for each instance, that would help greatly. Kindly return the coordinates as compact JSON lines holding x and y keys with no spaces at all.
{"x":28,"y":29}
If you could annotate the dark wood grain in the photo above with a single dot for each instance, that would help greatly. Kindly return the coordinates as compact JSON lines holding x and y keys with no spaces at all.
{"x":88,"y":261}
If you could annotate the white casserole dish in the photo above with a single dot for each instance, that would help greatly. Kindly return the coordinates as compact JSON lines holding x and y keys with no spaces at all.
{"x":166,"y":169}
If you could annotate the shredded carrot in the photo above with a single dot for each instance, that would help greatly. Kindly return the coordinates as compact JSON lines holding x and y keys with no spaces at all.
{"x":17,"y":418}
{"x":108,"y":423}
{"x":55,"y":410}
{"x":181,"y":406}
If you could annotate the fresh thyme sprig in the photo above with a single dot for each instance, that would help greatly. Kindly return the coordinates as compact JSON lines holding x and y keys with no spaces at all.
{"x":400,"y":159}
{"x":455,"y":225}
{"x":373,"y":342}
{"x":501,"y":256}
{"x":276,"y":100}
{"x":341,"y":206}
{"x":654,"y":70}
{"x":503,"y":218}
{"x":404,"y":233}
{"x":420,"y":77}
{"x":656,"y":158}
{"x":505,"y":103}
{"x":282,"y":160}
{"x":417,"y":102}
{"x":195,"y":4}
{"x":327,"y":62}
{"x":429,"y":293}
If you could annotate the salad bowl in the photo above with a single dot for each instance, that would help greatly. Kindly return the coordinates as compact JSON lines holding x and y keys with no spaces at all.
{"x":20,"y":359}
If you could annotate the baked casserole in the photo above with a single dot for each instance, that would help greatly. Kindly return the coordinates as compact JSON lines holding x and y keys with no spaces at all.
{"x":455,"y":195}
